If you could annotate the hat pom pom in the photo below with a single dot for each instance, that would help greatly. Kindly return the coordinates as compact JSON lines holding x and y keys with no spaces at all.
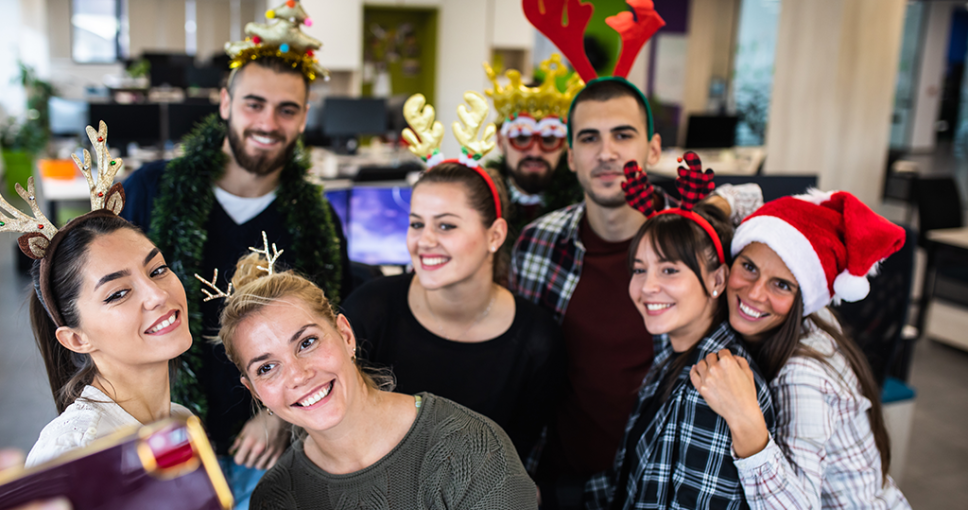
{"x":851,"y":288}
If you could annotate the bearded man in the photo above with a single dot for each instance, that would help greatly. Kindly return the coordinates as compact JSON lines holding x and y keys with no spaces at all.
{"x":242,"y":174}
{"x":532,"y":140}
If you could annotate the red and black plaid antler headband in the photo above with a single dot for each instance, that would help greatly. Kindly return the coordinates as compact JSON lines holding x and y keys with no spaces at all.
{"x":693,"y":185}
{"x":635,"y":26}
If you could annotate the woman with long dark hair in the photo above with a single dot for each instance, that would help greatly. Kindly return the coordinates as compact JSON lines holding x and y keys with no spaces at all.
{"x":830,"y":448}
{"x":107,"y":314}
{"x":676,"y":450}
{"x":451,"y":327}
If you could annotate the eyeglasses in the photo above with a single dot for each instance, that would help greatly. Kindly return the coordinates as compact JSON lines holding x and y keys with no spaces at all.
{"x":524,"y":142}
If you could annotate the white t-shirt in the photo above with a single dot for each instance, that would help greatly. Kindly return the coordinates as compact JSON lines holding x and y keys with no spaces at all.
{"x":242,"y":209}
{"x":92,"y":416}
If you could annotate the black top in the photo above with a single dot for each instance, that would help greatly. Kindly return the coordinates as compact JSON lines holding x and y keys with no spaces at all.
{"x":513,"y":379}
{"x":230,"y":404}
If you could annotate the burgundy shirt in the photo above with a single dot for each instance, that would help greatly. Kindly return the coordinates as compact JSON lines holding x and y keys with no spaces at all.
{"x":609,"y":353}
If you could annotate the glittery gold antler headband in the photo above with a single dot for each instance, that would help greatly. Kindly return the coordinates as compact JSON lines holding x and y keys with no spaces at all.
{"x":213,"y":292}
{"x":39,"y":231}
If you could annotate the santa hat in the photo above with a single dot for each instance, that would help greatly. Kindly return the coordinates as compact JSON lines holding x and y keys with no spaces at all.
{"x":830,"y":242}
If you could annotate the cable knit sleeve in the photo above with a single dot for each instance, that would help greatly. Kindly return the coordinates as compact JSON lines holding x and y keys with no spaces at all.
{"x":473,"y":465}
{"x":743,"y":200}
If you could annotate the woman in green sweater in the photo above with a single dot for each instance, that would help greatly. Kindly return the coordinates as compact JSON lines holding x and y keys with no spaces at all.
{"x":362,"y":447}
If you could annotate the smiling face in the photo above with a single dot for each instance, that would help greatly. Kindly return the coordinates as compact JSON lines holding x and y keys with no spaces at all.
{"x":266,"y":113}
{"x":447,"y":239}
{"x":670,"y":298}
{"x":299,"y":364}
{"x":132,"y":308}
{"x":761,"y":291}
{"x":608,"y":134}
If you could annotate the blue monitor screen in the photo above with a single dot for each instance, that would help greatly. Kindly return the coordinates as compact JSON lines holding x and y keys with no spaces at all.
{"x":378,"y":223}
{"x":340,"y":200}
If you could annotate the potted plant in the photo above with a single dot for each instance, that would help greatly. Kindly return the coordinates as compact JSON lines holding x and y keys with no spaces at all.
{"x":23,"y":139}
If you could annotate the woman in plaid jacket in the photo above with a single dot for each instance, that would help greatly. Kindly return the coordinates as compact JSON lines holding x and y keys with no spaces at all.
{"x":676,"y":449}
{"x":830,"y":447}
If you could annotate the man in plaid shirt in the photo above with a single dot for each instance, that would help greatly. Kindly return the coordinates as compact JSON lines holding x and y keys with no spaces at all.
{"x":573,"y":261}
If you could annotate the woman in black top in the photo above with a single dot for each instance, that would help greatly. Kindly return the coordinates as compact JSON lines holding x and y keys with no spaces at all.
{"x":452,"y":328}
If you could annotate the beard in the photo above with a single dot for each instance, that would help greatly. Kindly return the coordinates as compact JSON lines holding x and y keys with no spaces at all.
{"x":263,"y":164}
{"x":609,"y":199}
{"x":532,"y":183}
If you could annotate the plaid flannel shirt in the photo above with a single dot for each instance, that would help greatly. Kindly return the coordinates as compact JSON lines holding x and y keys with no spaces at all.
{"x":546,"y":261}
{"x":683,"y":460}
{"x":822,"y":454}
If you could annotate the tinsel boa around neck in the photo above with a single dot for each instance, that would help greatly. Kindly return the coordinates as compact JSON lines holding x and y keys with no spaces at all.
{"x":184,"y":202}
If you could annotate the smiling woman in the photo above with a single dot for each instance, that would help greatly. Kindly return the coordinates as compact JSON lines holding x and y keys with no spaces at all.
{"x":121,"y":317}
{"x":363,"y":447}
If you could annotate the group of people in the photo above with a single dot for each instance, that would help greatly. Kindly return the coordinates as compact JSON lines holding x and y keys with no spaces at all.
{"x":569,"y":337}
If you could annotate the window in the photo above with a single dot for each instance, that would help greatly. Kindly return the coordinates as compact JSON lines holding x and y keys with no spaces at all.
{"x":96,"y":31}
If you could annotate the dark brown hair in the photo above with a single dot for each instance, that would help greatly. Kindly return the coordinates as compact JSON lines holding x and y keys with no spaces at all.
{"x":678,"y":239}
{"x":480,"y":199}
{"x":605,"y":90}
{"x":274,"y":63}
{"x":775,"y":351}
{"x":68,"y":371}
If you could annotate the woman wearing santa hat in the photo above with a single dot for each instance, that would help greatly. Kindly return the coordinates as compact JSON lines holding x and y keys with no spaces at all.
{"x":830,"y":448}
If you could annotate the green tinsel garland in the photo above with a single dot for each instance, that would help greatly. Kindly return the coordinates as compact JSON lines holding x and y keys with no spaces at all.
{"x":184,"y":202}
{"x":563,"y":191}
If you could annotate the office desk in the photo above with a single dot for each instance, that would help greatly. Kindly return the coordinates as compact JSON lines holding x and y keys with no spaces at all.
{"x":733,"y":161}
{"x":949,"y":241}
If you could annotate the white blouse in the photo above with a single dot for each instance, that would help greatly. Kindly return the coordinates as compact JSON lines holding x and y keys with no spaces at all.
{"x":92,"y":416}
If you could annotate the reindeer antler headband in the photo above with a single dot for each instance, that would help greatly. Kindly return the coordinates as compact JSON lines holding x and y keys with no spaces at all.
{"x":693,"y":185}
{"x":269,"y":268}
{"x":635,"y":26}
{"x":425,"y":134}
{"x":40,"y":237}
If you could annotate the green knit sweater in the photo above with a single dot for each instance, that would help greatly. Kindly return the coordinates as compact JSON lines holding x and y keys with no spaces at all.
{"x":452,"y":458}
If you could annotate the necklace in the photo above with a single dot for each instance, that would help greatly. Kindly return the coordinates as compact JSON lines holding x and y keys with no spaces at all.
{"x":475,"y":323}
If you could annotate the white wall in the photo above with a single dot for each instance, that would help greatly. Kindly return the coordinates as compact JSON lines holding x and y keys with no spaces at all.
{"x":930,"y":74}
{"x":833,"y":89}
{"x":339,"y":25}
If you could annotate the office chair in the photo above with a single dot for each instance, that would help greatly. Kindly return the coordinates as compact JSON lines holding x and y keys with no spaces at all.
{"x":877,"y":322}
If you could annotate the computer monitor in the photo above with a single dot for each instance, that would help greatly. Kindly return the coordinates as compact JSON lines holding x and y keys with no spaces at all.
{"x":340,"y":200}
{"x":67,"y":117}
{"x":378,"y":221}
{"x":182,"y":117}
{"x":169,"y":68}
{"x":139,"y":123}
{"x":711,"y":131}
{"x":344,"y":116}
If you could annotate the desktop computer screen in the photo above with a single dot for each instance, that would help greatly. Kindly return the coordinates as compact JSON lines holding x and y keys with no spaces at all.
{"x":343,"y":116}
{"x":67,"y":117}
{"x":378,"y":221}
{"x":711,"y":131}
{"x":182,"y":117}
{"x":139,"y":123}
{"x":340,"y":200}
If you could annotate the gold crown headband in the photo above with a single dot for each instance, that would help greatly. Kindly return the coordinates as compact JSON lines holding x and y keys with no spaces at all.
{"x":282,"y":39}
{"x":269,"y":268}
{"x":545,"y":100}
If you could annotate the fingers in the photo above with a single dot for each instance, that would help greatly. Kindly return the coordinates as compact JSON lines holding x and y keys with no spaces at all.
{"x":695,"y":377}
{"x":745,"y":367}
{"x":11,"y":458}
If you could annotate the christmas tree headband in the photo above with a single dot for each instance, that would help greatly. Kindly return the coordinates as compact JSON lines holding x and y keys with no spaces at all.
{"x":635,"y":26}
{"x":40,"y":237}
{"x":527,"y":110}
{"x":693,"y":185}
{"x":425,"y":134}
{"x":282,"y":39}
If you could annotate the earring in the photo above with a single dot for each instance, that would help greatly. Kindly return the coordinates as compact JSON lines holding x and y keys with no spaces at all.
{"x":715,"y":293}
{"x":270,"y":411}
